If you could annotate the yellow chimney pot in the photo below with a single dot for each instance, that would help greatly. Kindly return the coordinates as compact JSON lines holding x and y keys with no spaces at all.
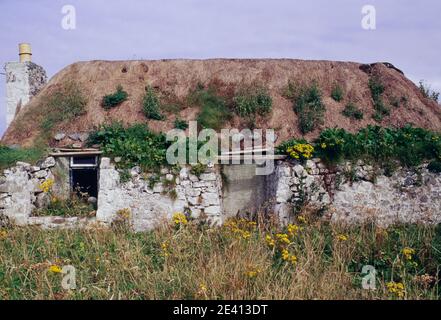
{"x":24,"y":51}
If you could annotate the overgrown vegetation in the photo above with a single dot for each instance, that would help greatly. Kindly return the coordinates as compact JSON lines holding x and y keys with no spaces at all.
{"x":434,"y":166}
{"x":352,"y":111}
{"x":407,"y":146}
{"x":135,"y":145}
{"x":337,"y":93}
{"x":377,"y":89}
{"x":112,"y":100}
{"x":151,"y":104}
{"x":180,"y":124}
{"x":63,"y":105}
{"x":198,"y":169}
{"x":309,"y":108}
{"x":73,"y":206}
{"x":427,"y":92}
{"x":309,"y":259}
{"x":214,"y":112}
{"x":9,"y":156}
{"x":251,"y":101}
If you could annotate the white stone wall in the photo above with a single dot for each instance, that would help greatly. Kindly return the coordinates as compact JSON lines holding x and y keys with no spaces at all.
{"x":201,"y":197}
{"x":354,"y":193}
{"x":20,"y":191}
{"x":23,"y":81}
{"x":350,"y":193}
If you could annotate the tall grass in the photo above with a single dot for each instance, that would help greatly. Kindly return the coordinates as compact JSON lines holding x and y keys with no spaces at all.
{"x":237,"y":261}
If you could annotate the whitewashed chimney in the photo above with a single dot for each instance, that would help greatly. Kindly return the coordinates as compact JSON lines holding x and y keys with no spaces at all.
{"x":24,"y":79}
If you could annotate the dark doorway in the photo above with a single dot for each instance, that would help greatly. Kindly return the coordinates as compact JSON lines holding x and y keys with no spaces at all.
{"x":85,"y":180}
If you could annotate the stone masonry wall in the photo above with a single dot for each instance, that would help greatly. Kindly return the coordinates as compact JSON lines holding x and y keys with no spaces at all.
{"x":152,"y":203}
{"x":350,"y":193}
{"x":21,"y":193}
{"x":355,"y":193}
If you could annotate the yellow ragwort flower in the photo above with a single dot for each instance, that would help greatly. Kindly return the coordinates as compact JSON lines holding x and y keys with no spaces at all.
{"x":55,"y":269}
{"x":396,"y":289}
{"x":179,"y":218}
{"x":342,"y":237}
{"x":293,"y":229}
{"x":302,"y":219}
{"x":408,"y":253}
{"x":270,"y":241}
{"x":46,"y":185}
{"x":283,"y":238}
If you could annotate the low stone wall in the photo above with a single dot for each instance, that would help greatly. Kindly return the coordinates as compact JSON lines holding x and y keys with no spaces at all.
{"x":351,"y":193}
{"x":20,"y":191}
{"x":21,"y":194}
{"x":354,"y":193}
{"x":152,"y":203}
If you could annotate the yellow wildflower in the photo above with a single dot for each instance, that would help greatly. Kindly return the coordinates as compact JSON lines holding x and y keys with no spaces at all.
{"x":323,"y":145}
{"x":301,"y":150}
{"x":46,"y":185}
{"x":342,"y":237}
{"x":285,"y":254}
{"x":3,"y":234}
{"x":293,"y":259}
{"x":246,"y":234}
{"x":302,"y":219}
{"x":293,"y":229}
{"x":165,"y":249}
{"x":270,"y":241}
{"x":179,"y":218}
{"x":55,"y":269}
{"x":408,"y":253}
{"x":283,"y":238}
{"x":252,"y":273}
{"x":396,"y":288}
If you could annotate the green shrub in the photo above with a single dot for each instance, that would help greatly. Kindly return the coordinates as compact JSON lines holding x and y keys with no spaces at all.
{"x":136,"y":145}
{"x":351,"y":111}
{"x":9,"y":156}
{"x":309,"y":108}
{"x":114,"y":99}
{"x":181,"y":124}
{"x":252,"y":101}
{"x":408,"y":145}
{"x":377,"y":89}
{"x":337,"y":93}
{"x":214,"y":112}
{"x":151,"y":105}
{"x":434,"y":166}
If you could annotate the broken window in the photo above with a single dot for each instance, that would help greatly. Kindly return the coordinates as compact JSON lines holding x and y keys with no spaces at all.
{"x":84,"y":175}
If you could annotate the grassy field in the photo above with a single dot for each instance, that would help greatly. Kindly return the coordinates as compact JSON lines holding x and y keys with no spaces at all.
{"x":241,"y":260}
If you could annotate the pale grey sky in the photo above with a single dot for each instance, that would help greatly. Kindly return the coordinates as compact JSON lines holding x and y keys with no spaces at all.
{"x":407,"y":35}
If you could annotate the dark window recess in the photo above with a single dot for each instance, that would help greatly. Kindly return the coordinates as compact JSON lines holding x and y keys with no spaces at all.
{"x":85,"y":180}
{"x":84,"y":160}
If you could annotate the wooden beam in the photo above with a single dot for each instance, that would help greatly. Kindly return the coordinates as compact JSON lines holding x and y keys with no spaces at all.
{"x":73,"y":154}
